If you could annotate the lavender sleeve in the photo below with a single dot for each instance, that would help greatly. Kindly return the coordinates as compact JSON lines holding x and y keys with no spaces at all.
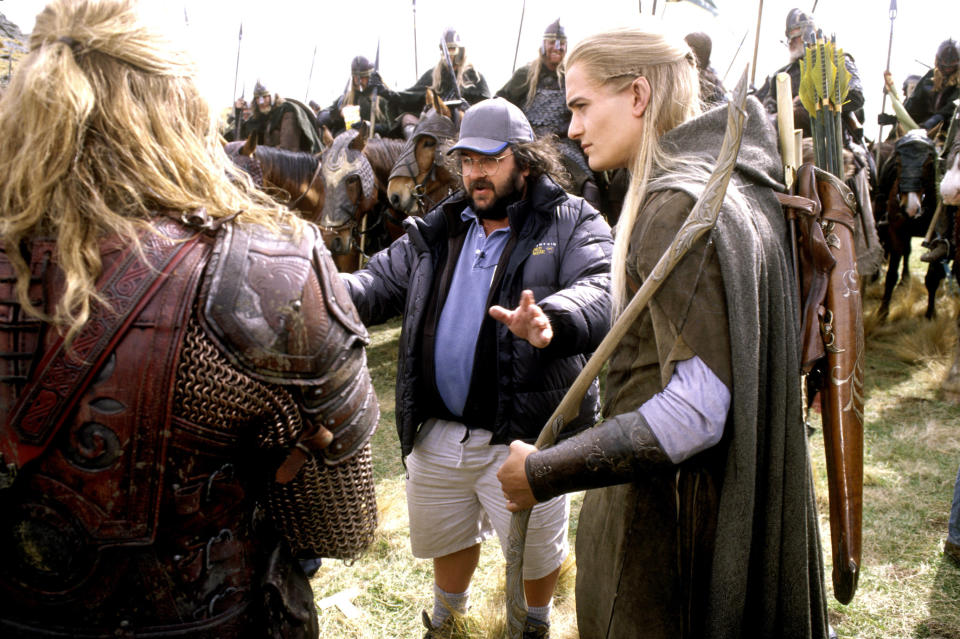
{"x":689,"y":414}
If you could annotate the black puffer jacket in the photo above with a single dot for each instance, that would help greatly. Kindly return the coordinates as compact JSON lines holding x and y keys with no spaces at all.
{"x":559,"y":248}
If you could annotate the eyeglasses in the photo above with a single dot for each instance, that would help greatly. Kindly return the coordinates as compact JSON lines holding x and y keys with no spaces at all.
{"x":488,"y":164}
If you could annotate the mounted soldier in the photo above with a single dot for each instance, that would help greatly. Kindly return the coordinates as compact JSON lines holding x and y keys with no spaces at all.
{"x":364,"y":80}
{"x":283,"y":123}
{"x":801,"y":28}
{"x":454,"y":78}
{"x":862,"y":171}
{"x":934,"y":98}
{"x":538,"y":88}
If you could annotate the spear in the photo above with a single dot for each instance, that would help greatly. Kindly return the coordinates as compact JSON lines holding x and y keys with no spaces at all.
{"x":416,"y":67}
{"x":236,"y":74}
{"x":756,"y":46}
{"x":734,"y":58}
{"x":883,"y":103}
{"x":519,"y":31}
{"x":310,"y":75}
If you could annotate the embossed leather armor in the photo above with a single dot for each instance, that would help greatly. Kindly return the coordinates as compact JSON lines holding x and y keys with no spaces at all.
{"x":157,"y":508}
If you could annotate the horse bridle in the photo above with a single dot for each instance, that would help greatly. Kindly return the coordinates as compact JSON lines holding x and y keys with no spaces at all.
{"x":313,"y":178}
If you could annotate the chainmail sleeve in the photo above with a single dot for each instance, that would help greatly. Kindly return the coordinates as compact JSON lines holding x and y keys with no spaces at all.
{"x":277,"y":313}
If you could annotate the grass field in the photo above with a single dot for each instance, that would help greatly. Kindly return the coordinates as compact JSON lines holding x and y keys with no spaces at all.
{"x":911,"y":453}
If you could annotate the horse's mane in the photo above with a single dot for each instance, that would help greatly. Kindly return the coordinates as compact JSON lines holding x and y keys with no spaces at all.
{"x":382,"y":153}
{"x":296,"y":166}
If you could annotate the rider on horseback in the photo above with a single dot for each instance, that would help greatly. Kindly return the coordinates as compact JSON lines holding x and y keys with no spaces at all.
{"x":800,"y":29}
{"x":933,"y":102}
{"x":538,"y":89}
{"x":283,"y":123}
{"x":364,"y":79}
{"x":463,"y":82}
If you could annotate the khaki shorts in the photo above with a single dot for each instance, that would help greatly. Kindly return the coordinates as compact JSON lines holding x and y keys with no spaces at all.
{"x":455,"y":501}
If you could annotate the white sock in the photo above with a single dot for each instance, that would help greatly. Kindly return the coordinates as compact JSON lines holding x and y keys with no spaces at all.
{"x":445,"y":603}
{"x":540,"y":613}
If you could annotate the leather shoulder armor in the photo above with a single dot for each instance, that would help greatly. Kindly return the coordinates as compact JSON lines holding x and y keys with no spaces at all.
{"x":274,"y":305}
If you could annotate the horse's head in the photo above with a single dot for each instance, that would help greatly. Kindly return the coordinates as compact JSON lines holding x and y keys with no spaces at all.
{"x":241,"y":152}
{"x":419,"y":174}
{"x":950,"y":184}
{"x":915,"y":156}
{"x":349,"y":180}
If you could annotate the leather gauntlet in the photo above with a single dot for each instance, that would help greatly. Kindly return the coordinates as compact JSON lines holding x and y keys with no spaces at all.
{"x":610,"y":453}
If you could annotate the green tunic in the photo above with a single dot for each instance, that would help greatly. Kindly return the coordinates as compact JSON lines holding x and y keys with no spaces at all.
{"x":725,"y":544}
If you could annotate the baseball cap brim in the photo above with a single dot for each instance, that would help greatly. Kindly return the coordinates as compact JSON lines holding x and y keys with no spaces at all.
{"x":479,"y":145}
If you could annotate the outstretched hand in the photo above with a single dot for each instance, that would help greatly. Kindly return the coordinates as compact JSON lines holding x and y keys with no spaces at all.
{"x":513,"y":478}
{"x":527,"y":321}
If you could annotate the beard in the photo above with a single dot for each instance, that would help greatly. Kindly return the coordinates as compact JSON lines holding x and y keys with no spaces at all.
{"x":495,"y":209}
{"x":797,"y":52}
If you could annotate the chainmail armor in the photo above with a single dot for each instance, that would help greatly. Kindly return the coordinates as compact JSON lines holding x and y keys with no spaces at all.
{"x":321,"y":513}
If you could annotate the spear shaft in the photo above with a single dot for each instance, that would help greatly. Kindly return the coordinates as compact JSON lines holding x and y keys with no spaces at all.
{"x":516,"y":51}
{"x":238,"y":113}
{"x":756,"y":45}
{"x":883,"y":103}
{"x":416,"y":66}
{"x":310,"y":75}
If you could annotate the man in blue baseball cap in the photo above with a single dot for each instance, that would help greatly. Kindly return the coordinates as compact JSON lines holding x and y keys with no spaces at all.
{"x":504,"y":289}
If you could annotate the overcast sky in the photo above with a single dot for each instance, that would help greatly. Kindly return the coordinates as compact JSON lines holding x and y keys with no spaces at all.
{"x":280,"y":36}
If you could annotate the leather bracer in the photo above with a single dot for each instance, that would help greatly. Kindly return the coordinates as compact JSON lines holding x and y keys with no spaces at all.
{"x":610,"y":453}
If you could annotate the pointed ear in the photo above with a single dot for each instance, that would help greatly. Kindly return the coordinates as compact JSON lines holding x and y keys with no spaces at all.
{"x":935,"y":131}
{"x":640,"y":89}
{"x":326,"y":137}
{"x":250,"y":145}
{"x":361,"y":140}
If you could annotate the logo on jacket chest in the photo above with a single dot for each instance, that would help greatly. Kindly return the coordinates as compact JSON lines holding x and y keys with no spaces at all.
{"x":544,"y":248}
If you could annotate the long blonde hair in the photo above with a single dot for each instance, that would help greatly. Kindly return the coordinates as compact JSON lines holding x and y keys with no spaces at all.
{"x":441,"y":69}
{"x":533,"y":80}
{"x":102,"y":126}
{"x":614,"y":59}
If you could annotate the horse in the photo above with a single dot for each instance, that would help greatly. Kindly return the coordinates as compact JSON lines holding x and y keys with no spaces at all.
{"x":292,"y":177}
{"x":355,"y":216}
{"x":420,"y":178}
{"x":907,"y":194}
{"x":950,"y":196}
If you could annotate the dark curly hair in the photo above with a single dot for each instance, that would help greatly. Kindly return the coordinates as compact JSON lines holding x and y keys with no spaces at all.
{"x":541,"y":156}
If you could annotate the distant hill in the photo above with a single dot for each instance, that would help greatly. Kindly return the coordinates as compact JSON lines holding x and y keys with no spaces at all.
{"x":13,"y":46}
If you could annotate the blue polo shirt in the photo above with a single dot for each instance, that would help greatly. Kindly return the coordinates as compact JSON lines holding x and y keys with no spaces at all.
{"x":465,"y":310}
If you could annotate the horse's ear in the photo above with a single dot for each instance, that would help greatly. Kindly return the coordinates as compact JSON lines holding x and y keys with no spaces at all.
{"x":250,"y":145}
{"x":325,"y":136}
{"x":429,"y":100}
{"x":935,"y":131}
{"x":360,"y":141}
{"x":443,"y":109}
